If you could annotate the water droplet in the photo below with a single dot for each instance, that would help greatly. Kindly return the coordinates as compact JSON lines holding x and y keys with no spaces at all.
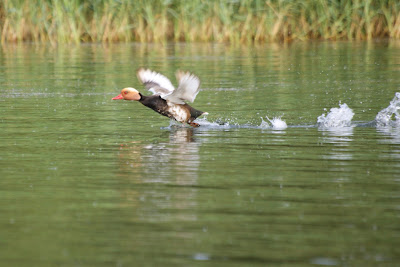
{"x":324,"y":261}
{"x":201,"y":257}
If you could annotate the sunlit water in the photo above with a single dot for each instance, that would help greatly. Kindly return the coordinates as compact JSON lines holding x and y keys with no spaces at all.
{"x":297,"y":162}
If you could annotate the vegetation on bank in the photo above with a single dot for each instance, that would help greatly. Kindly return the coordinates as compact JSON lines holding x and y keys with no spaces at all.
{"x":236,"y":21}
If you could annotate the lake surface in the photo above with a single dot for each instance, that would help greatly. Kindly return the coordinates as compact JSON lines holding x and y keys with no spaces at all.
{"x":87,"y":181}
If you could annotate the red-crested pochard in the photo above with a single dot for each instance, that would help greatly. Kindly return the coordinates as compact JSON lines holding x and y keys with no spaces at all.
{"x":167,"y":100}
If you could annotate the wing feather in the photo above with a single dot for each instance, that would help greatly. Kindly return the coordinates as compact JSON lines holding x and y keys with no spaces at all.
{"x":188,"y":88}
{"x":155,"y":82}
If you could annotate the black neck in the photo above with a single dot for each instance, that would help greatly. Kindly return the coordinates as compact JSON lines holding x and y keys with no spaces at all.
{"x":142,"y":97}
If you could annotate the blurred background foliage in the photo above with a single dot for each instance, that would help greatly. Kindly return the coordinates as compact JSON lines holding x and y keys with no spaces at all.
{"x":234,"y":21}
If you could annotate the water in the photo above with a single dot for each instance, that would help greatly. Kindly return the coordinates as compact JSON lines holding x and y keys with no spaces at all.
{"x":389,"y":116}
{"x":337,"y":117}
{"x":297,"y":162}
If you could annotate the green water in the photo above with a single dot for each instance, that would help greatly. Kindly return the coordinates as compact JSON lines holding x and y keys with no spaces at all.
{"x":87,"y":181}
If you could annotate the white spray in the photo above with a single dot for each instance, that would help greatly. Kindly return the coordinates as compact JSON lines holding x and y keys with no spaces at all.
{"x":337,"y":117}
{"x":389,"y":116}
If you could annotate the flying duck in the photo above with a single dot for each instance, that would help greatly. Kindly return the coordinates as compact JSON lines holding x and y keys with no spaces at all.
{"x":167,"y":100}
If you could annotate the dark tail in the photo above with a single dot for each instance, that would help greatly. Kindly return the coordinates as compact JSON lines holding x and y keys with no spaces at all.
{"x":194,"y":113}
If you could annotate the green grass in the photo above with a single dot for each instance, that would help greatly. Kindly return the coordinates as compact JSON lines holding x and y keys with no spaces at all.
{"x":235,"y":21}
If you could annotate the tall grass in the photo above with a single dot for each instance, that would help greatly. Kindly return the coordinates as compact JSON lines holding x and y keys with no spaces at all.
{"x":244,"y":21}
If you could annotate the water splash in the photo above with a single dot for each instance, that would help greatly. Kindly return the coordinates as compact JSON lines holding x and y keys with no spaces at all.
{"x":389,"y":116}
{"x":218,"y":124}
{"x":204,"y":125}
{"x":338,"y":121}
{"x":337,"y":117}
{"x":277,"y":123}
{"x":264,"y":124}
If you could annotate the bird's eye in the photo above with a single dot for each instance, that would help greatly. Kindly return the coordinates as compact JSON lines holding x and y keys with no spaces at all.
{"x":125,"y":92}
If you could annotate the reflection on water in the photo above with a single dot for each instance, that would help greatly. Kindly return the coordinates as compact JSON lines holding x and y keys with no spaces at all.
{"x":179,"y":156}
{"x":341,"y":138}
{"x":173,"y":163}
{"x":390,"y":134}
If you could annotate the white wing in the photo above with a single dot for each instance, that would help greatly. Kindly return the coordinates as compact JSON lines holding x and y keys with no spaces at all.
{"x":155,"y":82}
{"x":188,"y":88}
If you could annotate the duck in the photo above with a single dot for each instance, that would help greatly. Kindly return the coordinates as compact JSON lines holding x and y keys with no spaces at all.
{"x":166,"y":100}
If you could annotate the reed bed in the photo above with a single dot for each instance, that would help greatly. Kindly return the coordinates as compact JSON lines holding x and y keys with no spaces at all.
{"x":235,"y":21}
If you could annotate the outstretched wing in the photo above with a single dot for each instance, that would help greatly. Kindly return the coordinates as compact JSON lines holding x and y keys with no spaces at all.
{"x":188,"y":88}
{"x":155,"y":82}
